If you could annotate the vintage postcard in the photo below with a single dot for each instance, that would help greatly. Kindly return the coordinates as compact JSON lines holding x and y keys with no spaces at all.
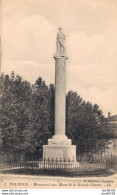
{"x":58,"y":94}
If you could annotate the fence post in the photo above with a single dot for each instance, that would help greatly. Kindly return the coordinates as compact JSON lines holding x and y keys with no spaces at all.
{"x":32,"y":163}
{"x":106,"y":163}
{"x":20,"y":166}
{"x":111,"y":160}
{"x":68,"y":170}
{"x":44,"y":163}
{"x":52,"y":164}
{"x":65,"y":164}
{"x":48,"y":163}
{"x":60,"y":163}
{"x":56,"y":163}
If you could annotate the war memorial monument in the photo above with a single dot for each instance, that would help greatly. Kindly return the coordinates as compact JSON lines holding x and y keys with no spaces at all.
{"x":59,"y":146}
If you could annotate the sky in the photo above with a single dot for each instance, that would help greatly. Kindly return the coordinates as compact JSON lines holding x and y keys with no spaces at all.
{"x":28,"y":33}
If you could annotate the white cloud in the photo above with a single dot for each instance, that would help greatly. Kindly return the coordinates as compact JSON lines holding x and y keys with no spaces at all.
{"x":93,"y":60}
{"x":30,"y":70}
{"x":28,"y":44}
{"x":92,"y":68}
{"x":97,"y":49}
{"x":30,"y":39}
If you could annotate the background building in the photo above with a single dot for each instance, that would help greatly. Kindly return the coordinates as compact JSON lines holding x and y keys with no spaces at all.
{"x":111,"y":146}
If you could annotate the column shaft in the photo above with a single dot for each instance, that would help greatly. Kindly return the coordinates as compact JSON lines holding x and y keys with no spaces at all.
{"x":60,"y":96}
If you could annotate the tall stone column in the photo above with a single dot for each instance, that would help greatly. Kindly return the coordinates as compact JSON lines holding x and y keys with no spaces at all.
{"x":59,"y":146}
{"x":60,"y":97}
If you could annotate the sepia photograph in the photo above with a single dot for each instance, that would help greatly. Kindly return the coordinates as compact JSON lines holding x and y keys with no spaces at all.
{"x":58,"y":94}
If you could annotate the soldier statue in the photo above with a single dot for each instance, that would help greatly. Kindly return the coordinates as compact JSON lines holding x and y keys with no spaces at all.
{"x":60,"y":42}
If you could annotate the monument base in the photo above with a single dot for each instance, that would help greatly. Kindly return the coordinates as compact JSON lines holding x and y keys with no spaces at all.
{"x":59,"y":152}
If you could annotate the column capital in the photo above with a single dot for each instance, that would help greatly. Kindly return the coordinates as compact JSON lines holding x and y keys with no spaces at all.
{"x":58,"y":56}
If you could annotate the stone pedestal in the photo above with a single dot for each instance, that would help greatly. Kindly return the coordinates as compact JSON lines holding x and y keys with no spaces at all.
{"x":59,"y":147}
{"x":59,"y":153}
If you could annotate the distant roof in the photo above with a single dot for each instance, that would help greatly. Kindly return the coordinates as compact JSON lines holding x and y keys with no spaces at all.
{"x":112,"y":118}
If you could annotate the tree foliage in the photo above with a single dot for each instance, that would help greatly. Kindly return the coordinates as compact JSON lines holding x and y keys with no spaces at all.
{"x":85,"y":124}
{"x":27,"y":118}
{"x":39,"y":127}
{"x":14,"y":105}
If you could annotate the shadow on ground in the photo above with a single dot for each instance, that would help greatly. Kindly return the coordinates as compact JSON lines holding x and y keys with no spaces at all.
{"x":62,"y":173}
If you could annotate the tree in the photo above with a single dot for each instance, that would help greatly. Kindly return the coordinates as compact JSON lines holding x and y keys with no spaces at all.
{"x":14,"y":104}
{"x":37,"y":132}
{"x":85,"y":124}
{"x":27,"y":118}
{"x":27,"y":115}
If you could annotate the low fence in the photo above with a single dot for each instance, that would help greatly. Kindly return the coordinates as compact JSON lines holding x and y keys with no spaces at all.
{"x":84,"y":166}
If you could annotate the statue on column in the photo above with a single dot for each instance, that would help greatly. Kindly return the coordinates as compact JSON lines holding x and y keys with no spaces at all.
{"x":60,"y":43}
